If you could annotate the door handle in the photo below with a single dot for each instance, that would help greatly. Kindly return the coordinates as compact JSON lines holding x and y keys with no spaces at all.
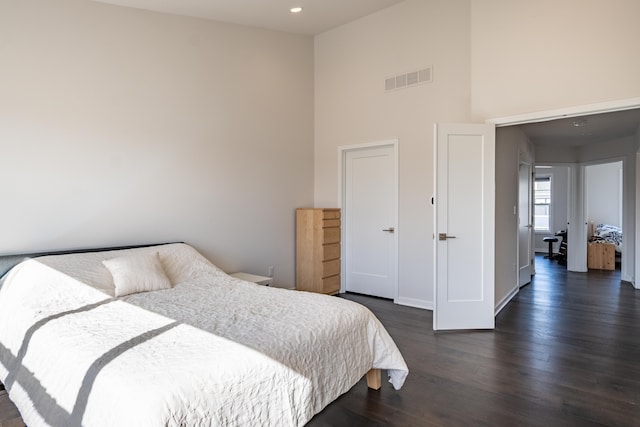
{"x":390,"y":230}
{"x":443,"y":236}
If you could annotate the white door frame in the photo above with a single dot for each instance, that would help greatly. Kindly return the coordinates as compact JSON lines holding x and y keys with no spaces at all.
{"x":563,"y":113}
{"x":577,"y":111}
{"x":342,"y":154}
{"x":624,"y":219}
{"x":577,"y":227}
{"x":574,"y":197}
{"x":530,"y":219}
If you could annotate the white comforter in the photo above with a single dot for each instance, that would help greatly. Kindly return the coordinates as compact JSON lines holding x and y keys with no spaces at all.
{"x":210,"y":351}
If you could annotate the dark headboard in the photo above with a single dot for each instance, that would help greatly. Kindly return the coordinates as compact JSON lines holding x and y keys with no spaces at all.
{"x":7,"y":262}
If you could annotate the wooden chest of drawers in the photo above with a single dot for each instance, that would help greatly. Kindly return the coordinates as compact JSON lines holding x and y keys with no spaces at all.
{"x":318,"y":250}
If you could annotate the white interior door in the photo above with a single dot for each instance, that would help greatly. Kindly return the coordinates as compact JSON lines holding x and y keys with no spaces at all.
{"x":370,"y":211}
{"x":464,"y":227}
{"x":525,"y":226}
{"x":577,"y":224}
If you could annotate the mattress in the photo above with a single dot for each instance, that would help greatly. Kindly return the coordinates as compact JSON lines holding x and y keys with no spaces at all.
{"x":210,"y":350}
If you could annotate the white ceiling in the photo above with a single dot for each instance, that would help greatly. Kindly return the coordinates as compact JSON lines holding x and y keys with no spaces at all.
{"x":316,"y":17}
{"x":585,"y":129}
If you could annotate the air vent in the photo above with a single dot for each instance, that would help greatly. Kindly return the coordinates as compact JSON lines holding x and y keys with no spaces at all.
{"x":413,"y":78}
{"x":390,"y":83}
{"x":424,"y":76}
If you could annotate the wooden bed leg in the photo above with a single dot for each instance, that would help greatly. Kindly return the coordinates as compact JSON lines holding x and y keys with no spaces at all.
{"x":374,"y":379}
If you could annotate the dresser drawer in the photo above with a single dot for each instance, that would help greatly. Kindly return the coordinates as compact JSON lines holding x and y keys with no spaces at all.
{"x":331,"y":285}
{"x":330,"y":268}
{"x":331,"y":214}
{"x":330,"y":223}
{"x":331,"y":235}
{"x":331,"y":251}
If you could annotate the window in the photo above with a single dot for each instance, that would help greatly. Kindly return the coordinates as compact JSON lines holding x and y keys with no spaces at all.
{"x":542,"y":204}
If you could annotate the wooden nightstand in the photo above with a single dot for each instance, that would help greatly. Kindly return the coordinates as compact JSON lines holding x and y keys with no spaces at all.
{"x":601,"y":256}
{"x":260,"y":280}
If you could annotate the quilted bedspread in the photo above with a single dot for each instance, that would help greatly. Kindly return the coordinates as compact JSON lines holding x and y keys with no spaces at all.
{"x":212,"y":350}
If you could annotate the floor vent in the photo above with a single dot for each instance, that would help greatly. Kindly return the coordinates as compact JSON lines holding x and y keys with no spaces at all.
{"x":413,"y":78}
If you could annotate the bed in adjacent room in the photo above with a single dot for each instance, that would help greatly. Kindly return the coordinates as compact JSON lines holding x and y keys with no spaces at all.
{"x":160,"y":336}
{"x":606,"y":233}
{"x":604,"y":246}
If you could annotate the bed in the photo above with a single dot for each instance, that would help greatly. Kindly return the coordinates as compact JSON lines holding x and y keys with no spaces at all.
{"x":83,"y":342}
{"x":606,"y":233}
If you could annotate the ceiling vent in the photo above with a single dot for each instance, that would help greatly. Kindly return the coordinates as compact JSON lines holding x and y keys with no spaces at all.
{"x":413,"y":78}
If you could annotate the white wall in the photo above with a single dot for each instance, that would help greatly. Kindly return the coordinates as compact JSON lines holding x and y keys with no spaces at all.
{"x":351,"y":107}
{"x":214,"y":123}
{"x":121,"y":126}
{"x":547,"y":154}
{"x":604,"y":193}
{"x":544,"y":55}
{"x":595,"y":152}
{"x":491,"y":58}
{"x":512,"y":146}
{"x":541,"y":55}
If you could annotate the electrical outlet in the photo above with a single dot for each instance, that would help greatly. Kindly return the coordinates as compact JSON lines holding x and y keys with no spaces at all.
{"x":270,"y":271}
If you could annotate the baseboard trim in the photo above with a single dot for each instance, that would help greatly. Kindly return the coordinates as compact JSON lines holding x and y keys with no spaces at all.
{"x":502,"y":304}
{"x":630,"y":282}
{"x":413,"y":302}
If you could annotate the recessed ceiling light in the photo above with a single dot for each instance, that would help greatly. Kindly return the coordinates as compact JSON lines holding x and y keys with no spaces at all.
{"x":297,"y":9}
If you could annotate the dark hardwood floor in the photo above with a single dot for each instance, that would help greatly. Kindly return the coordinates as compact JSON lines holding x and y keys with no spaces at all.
{"x":565,"y":352}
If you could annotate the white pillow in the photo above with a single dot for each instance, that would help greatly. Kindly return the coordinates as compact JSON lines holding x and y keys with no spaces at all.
{"x":139,"y":272}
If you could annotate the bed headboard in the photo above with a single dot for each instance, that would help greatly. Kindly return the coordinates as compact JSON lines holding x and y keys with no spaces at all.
{"x":7,"y":262}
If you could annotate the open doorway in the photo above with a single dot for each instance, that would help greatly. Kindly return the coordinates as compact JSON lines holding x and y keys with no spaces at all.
{"x":551,"y":192}
{"x":580,"y":143}
{"x":604,"y":213}
{"x":603,"y":189}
